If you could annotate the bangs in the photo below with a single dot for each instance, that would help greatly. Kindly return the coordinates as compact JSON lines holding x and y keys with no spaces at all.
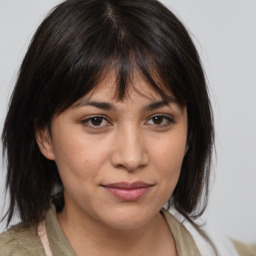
{"x":123,"y":59}
{"x":122,"y":40}
{"x":81,"y":42}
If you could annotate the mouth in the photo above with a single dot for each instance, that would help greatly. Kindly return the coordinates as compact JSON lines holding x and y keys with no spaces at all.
{"x":128,"y":191}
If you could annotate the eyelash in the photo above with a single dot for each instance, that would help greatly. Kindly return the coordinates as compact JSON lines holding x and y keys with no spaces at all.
{"x":88,"y":121}
{"x":168,"y":120}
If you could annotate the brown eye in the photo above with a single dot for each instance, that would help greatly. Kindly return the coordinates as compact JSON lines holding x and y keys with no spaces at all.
{"x":160,"y":120}
{"x":96,"y":122}
{"x":157,"y":119}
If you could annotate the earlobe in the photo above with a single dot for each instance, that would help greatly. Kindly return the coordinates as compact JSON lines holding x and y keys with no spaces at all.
{"x":44,"y":143}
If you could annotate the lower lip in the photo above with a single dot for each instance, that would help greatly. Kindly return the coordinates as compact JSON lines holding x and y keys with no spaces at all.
{"x":128,"y":194}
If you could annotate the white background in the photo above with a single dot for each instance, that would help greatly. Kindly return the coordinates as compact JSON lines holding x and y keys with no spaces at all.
{"x":225,"y":34}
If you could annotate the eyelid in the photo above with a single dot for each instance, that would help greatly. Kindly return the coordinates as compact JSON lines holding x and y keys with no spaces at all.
{"x":170,"y":119}
{"x":167,"y":121}
{"x":86,"y":120}
{"x":170,"y":116}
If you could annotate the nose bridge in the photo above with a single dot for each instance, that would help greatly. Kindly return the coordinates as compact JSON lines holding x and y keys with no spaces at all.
{"x":130,"y":149}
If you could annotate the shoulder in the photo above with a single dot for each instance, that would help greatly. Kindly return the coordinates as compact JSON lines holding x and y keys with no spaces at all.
{"x":185,"y":243}
{"x":245,"y":249}
{"x":20,"y":241}
{"x":222,"y":243}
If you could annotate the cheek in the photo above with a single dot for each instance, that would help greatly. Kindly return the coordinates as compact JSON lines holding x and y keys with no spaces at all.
{"x":170,"y":152}
{"x":168,"y":158}
{"x":80,"y":158}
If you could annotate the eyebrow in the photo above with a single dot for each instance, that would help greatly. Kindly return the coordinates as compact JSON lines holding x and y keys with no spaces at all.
{"x":110,"y":107}
{"x":158,"y":104}
{"x":98,"y":104}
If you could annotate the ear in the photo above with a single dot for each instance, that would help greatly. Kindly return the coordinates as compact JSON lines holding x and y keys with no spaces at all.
{"x":186,"y":149}
{"x":188,"y":141}
{"x":44,"y":143}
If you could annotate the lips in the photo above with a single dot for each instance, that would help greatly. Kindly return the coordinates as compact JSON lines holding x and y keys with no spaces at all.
{"x":128,"y":191}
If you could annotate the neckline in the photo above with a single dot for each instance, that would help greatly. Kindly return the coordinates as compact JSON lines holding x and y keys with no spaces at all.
{"x":59,"y":243}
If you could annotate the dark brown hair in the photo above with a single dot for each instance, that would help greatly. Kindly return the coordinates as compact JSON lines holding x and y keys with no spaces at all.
{"x":73,"y":48}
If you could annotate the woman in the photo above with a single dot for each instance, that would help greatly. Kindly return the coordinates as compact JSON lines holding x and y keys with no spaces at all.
{"x":110,"y":119}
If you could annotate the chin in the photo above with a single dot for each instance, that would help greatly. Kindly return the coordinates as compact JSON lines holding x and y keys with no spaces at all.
{"x":129,"y":219}
{"x":124,"y":224}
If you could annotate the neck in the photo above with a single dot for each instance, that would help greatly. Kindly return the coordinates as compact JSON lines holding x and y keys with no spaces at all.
{"x":89,"y":235}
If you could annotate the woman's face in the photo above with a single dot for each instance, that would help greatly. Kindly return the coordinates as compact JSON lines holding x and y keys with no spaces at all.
{"x":119,"y":161}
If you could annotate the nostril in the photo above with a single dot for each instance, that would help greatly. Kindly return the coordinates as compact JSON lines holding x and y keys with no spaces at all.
{"x":129,"y":160}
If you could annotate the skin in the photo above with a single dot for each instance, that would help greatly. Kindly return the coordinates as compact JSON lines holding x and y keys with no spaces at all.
{"x":130,"y":140}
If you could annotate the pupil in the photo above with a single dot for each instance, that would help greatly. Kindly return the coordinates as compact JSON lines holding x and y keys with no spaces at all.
{"x":96,"y":121}
{"x":158,"y":119}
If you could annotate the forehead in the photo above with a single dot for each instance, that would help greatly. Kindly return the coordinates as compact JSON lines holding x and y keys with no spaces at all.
{"x":137,"y":88}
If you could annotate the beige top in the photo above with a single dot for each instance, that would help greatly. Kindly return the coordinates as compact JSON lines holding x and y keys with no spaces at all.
{"x":24,"y":241}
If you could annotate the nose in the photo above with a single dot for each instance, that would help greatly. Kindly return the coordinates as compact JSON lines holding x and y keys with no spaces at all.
{"x":130,"y":151}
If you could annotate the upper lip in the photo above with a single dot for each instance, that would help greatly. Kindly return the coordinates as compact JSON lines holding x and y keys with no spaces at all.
{"x":127,"y":185}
